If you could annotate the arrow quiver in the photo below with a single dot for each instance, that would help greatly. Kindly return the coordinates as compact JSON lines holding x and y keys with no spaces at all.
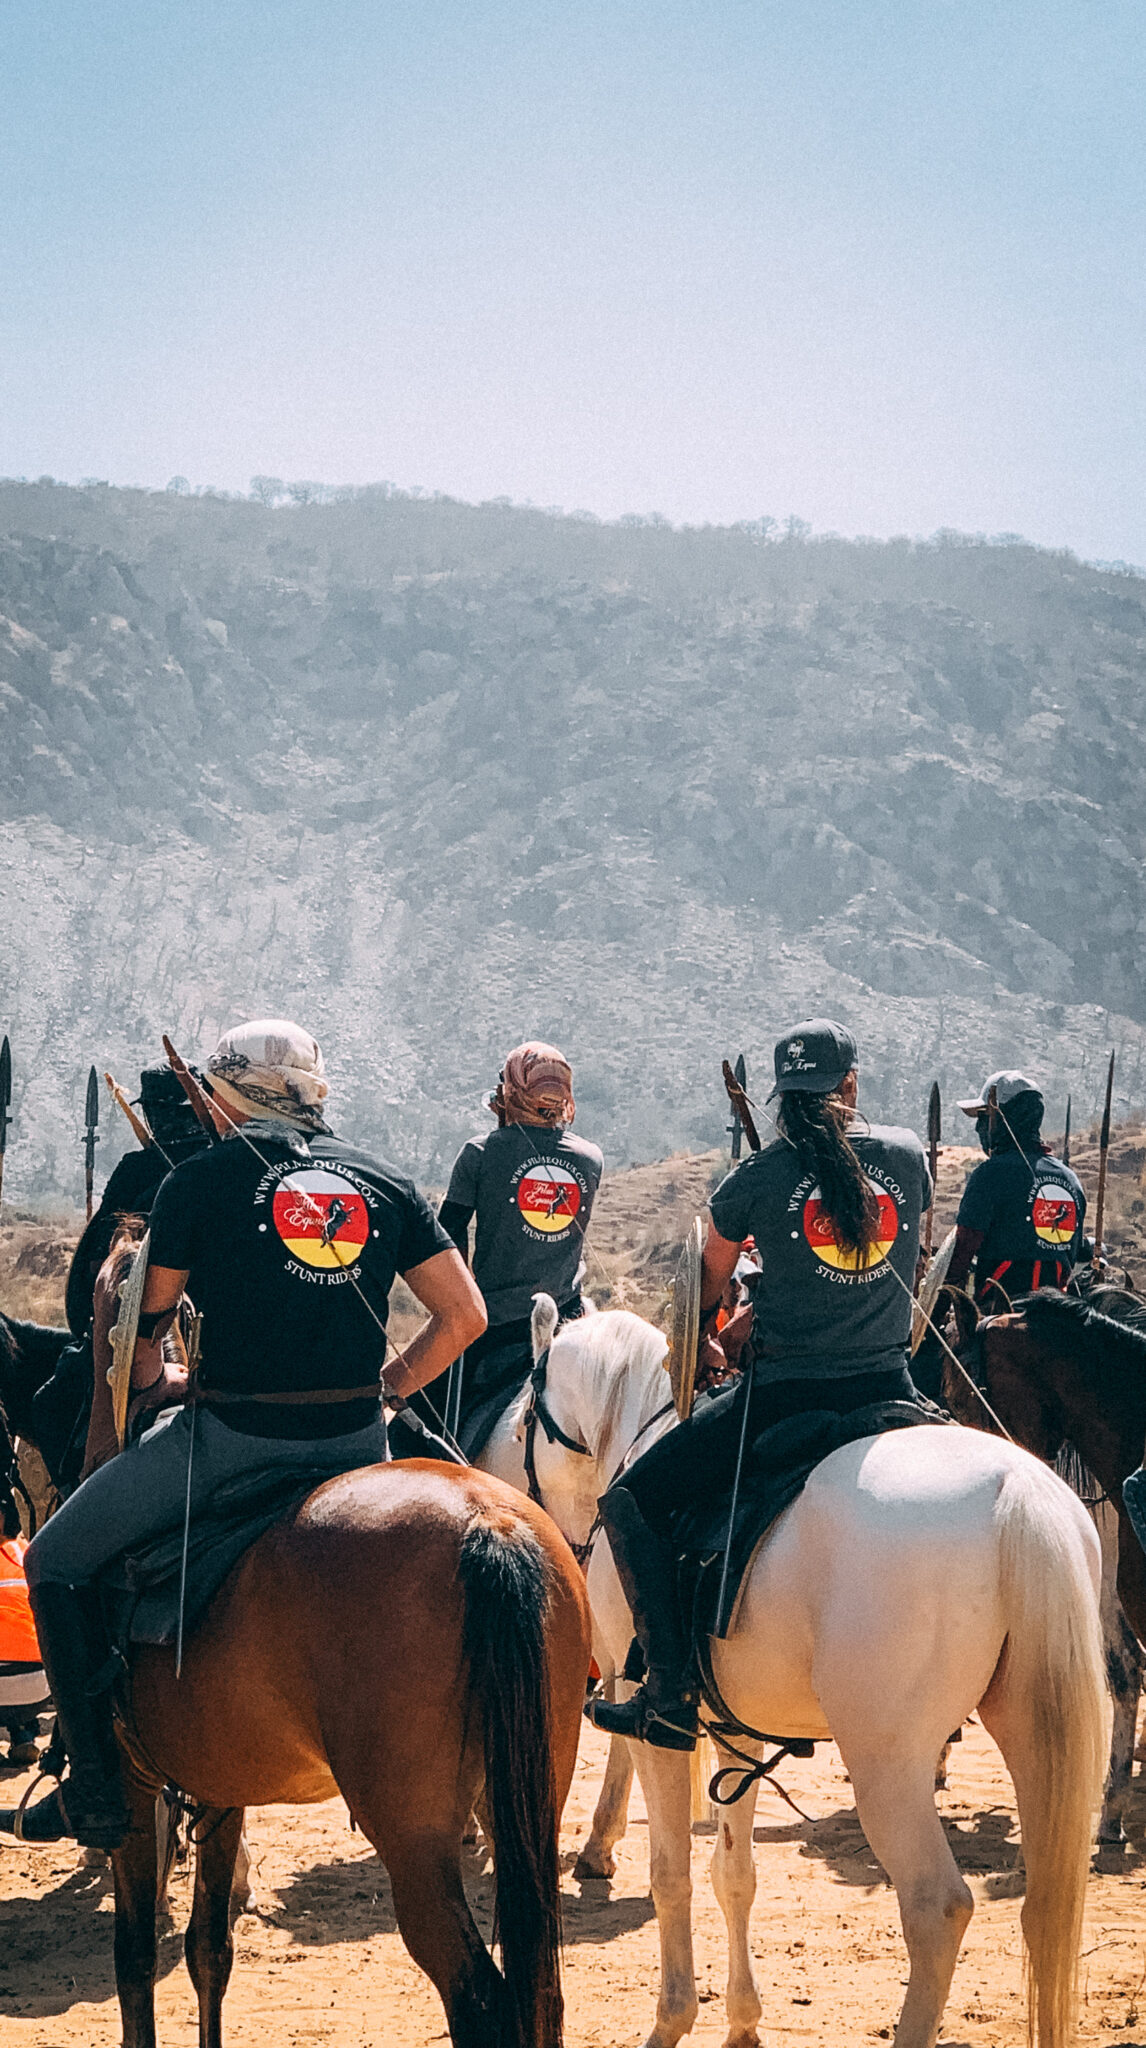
{"x":91,"y":1137}
{"x":138,"y":1124}
{"x":740,"y":1105}
{"x":5,"y":1100}
{"x":934,"y":1132}
{"x":1103,"y":1155}
{"x":191,"y":1089}
{"x":736,"y":1128}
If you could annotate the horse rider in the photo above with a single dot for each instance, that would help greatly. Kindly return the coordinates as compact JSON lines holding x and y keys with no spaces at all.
{"x":834,"y":1205}
{"x":63,"y":1406}
{"x":1020,"y":1220}
{"x":133,"y":1183}
{"x":530,"y":1185}
{"x":288,"y":1239}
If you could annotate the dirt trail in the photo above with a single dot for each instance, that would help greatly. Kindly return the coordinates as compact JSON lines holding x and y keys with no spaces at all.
{"x":320,"y":1962}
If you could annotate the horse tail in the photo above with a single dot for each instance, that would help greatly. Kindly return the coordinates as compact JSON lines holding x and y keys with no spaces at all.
{"x":505,"y":1583}
{"x":1051,"y":1698}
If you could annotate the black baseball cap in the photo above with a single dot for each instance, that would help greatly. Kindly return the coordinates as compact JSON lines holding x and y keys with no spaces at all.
{"x":814,"y":1056}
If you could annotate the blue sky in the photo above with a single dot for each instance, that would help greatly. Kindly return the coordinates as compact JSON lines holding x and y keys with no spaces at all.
{"x":881,"y":265}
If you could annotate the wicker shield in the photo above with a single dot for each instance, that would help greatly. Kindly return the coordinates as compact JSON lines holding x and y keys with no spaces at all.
{"x":933,"y":1280}
{"x":123,"y":1339}
{"x":684,"y":1336}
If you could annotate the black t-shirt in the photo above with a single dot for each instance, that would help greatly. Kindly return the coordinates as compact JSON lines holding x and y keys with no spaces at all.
{"x":131,"y":1188}
{"x":817,"y":1315}
{"x":281,"y":1310}
{"x":1031,"y":1207}
{"x":533,"y":1189}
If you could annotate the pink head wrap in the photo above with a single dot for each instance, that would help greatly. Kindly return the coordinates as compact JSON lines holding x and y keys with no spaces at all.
{"x":536,"y":1087}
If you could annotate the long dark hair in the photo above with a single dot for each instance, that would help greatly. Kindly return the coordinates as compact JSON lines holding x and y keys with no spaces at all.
{"x":817,"y":1125}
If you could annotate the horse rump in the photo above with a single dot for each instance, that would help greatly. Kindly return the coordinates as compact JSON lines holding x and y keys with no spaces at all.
{"x":505,"y":1582}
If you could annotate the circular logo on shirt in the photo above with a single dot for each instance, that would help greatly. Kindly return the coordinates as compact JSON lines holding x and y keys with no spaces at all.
{"x":1054,"y":1214}
{"x":548,"y":1196}
{"x":321,"y":1218}
{"x":820,"y":1233}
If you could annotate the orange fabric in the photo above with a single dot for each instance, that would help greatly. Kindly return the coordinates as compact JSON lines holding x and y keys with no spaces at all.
{"x":18,"y":1644}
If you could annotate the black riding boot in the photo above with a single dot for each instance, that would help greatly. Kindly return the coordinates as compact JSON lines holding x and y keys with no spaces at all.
{"x":663,"y":1710}
{"x":74,"y":1652}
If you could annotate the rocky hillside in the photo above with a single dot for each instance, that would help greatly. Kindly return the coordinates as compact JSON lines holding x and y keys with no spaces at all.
{"x":431,"y":777}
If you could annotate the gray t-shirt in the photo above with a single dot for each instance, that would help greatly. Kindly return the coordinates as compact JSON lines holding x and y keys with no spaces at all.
{"x":817,"y":1317}
{"x":532,"y":1190}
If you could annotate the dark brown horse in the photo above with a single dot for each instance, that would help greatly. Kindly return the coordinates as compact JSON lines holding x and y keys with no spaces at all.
{"x":1058,"y":1370}
{"x":414,"y":1637}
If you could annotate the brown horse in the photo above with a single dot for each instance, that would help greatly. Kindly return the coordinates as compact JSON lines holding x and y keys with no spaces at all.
{"x":1058,"y":1370}
{"x":408,"y":1634}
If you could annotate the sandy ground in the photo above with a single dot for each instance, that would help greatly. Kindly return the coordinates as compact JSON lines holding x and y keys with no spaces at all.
{"x":321,"y":1962}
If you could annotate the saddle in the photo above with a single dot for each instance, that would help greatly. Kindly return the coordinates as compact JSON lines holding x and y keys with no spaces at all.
{"x":486,"y":1394}
{"x":140,"y":1588}
{"x":777,"y":1466}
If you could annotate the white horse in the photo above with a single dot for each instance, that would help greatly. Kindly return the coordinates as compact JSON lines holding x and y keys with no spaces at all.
{"x":919,"y":1576}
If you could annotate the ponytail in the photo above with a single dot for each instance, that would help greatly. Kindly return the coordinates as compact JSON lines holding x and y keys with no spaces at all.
{"x":816,"y":1125}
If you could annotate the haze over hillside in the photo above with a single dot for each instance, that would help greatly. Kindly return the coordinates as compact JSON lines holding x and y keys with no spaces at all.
{"x":431,"y":777}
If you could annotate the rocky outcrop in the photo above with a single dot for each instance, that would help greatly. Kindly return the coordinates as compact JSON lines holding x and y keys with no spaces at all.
{"x":431,"y":776}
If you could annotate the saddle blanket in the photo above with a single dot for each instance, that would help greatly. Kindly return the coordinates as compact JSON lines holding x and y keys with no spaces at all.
{"x":141,"y":1588}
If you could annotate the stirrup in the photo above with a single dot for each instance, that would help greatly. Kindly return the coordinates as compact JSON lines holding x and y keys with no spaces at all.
{"x":13,"y":1818}
{"x":637,"y":1718}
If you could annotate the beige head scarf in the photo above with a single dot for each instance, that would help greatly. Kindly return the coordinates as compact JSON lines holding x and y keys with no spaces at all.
{"x":536,"y":1087}
{"x":270,"y":1068}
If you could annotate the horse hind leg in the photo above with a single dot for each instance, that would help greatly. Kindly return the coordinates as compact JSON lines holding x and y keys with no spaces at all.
{"x":210,"y":1944}
{"x":895,"y":1799}
{"x":1124,"y":1676}
{"x":438,"y":1928}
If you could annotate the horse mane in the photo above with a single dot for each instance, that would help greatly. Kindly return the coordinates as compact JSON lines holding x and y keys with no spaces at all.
{"x":1107,"y":1345}
{"x":620,"y":1358}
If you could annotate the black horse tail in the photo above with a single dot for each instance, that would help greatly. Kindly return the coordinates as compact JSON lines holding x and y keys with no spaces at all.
{"x":505,"y":1582}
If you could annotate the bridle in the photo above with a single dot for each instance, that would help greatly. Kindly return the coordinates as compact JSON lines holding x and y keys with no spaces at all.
{"x":538,"y":1412}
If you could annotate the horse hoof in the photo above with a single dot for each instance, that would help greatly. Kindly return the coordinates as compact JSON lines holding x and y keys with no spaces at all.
{"x":595,"y":1866}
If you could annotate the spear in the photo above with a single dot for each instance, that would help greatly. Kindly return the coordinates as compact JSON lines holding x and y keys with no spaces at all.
{"x":5,"y":1099}
{"x":1066,"y":1136}
{"x":739,"y":1101}
{"x":191,"y":1089}
{"x":91,"y":1140}
{"x":736,"y":1128}
{"x":1103,"y":1151}
{"x":934,"y":1129}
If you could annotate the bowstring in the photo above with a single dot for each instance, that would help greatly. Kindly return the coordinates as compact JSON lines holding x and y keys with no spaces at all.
{"x":346,"y":1267}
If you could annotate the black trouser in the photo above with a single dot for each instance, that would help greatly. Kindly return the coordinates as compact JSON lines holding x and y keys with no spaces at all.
{"x":698,"y":1460}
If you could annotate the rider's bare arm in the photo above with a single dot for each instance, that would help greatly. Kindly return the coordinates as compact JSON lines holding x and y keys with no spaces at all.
{"x":717,"y":1266}
{"x":445,"y":1286}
